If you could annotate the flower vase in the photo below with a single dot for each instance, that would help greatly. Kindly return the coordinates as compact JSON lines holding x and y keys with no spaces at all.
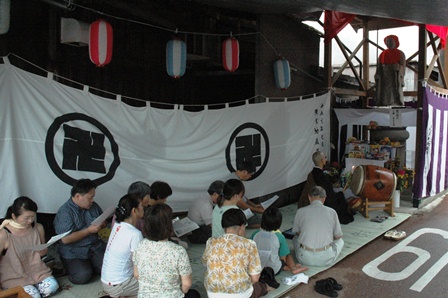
{"x":396,"y":197}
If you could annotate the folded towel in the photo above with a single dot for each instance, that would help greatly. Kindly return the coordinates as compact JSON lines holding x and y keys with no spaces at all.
{"x":295,"y":279}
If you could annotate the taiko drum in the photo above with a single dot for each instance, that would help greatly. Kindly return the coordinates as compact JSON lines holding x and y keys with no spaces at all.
{"x":373,"y":182}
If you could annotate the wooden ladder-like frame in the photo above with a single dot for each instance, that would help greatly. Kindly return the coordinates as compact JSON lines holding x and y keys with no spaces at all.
{"x":367,"y":206}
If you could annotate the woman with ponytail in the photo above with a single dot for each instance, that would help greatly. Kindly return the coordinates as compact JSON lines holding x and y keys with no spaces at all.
{"x":19,"y":265}
{"x":117,"y":274}
{"x":232,"y":193}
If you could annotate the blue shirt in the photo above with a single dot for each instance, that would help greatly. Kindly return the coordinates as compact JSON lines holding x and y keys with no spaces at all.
{"x":71,"y":217}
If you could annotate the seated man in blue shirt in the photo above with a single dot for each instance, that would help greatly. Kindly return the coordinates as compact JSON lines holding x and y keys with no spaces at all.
{"x":81,"y":251}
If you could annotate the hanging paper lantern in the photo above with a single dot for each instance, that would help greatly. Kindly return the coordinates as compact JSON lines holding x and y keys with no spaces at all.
{"x":100,"y":42}
{"x":5,"y":14}
{"x":282,"y":73}
{"x":230,"y":54}
{"x":176,"y":57}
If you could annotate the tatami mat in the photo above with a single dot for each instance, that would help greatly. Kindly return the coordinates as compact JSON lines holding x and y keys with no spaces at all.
{"x":356,"y":235}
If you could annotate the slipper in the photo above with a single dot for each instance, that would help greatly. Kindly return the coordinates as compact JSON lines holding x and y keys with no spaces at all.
{"x":334,"y":284}
{"x":325,"y":288}
{"x":398,"y":235}
{"x":267,"y":276}
{"x":389,"y":234}
{"x":378,"y":219}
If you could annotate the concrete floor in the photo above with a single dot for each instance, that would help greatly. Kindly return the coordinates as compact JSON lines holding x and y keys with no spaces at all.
{"x":406,"y":206}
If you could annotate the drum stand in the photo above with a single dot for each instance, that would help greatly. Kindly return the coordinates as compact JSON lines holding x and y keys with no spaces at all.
{"x":367,"y":206}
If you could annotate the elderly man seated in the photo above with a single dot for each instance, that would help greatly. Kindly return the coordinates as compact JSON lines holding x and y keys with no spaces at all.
{"x":318,"y":232}
{"x":335,"y":200}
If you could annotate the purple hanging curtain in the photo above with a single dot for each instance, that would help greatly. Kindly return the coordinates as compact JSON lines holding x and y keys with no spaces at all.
{"x":431,"y":177}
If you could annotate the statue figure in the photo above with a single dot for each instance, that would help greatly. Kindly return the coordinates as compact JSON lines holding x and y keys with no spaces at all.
{"x":389,"y":76}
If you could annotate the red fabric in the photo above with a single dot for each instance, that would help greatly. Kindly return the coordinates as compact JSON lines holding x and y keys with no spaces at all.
{"x":334,"y":22}
{"x":391,"y":56}
{"x":440,"y":31}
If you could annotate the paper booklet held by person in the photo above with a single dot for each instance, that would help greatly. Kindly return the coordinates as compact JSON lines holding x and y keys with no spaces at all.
{"x":248,"y":213}
{"x":183,"y":226}
{"x":105,"y":215}
{"x":50,"y":242}
{"x":269,"y":202}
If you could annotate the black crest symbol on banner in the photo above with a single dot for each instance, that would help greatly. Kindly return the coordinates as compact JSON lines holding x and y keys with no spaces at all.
{"x":82,"y":150}
{"x":249,"y":147}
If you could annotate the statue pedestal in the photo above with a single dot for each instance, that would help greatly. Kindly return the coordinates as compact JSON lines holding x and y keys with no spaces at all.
{"x":395,"y":134}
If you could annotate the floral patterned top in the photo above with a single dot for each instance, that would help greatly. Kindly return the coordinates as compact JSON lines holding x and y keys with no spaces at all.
{"x":230,"y":260}
{"x":160,"y":265}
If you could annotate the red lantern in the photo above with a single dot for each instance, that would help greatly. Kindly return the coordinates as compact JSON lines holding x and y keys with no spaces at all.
{"x":230,"y":54}
{"x":100,"y":42}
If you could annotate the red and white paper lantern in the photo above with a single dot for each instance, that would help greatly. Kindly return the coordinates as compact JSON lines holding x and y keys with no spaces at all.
{"x":230,"y":54}
{"x":100,"y":42}
{"x":176,"y":57}
{"x":282,"y":73}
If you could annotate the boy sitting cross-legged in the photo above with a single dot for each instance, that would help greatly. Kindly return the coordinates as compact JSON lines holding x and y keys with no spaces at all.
{"x":271,"y":243}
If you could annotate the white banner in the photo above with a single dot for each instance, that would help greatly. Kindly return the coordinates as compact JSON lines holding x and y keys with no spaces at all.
{"x":52,"y":134}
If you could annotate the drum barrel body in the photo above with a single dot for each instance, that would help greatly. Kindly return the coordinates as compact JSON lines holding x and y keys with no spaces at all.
{"x":373,"y":182}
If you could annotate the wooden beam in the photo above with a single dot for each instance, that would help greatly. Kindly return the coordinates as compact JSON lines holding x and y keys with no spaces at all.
{"x":417,"y":53}
{"x":366,"y":65}
{"x":344,"y":65}
{"x":344,"y":52}
{"x":328,"y":67}
{"x":436,"y":51}
{"x":410,"y":93}
{"x":350,"y":92}
{"x":366,"y":93}
{"x":419,"y":148}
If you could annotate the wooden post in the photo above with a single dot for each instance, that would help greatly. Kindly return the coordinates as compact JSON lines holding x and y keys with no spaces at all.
{"x":366,"y":62}
{"x":421,"y":77}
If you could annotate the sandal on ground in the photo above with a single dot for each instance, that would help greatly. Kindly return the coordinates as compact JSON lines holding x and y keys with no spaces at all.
{"x":378,"y":219}
{"x":325,"y":288}
{"x":267,"y":276}
{"x":334,"y":284}
{"x":389,"y":234}
{"x":398,"y":235}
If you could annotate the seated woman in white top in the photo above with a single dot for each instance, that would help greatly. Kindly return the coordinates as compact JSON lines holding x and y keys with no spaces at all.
{"x":117,"y":274}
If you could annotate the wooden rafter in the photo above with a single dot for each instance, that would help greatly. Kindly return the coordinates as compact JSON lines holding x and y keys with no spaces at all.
{"x":436,"y":57}
{"x":355,"y":72}
{"x":341,"y":70}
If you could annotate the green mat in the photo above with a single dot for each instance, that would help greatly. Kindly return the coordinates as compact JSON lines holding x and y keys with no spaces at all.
{"x":356,"y":234}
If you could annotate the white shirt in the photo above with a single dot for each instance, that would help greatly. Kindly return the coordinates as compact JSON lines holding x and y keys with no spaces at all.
{"x":117,"y":263}
{"x":317,"y":224}
{"x":201,"y":210}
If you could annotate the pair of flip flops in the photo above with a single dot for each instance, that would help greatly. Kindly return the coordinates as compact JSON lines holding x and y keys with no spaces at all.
{"x":328,"y":287}
{"x":379,"y":218}
{"x":395,"y":235}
